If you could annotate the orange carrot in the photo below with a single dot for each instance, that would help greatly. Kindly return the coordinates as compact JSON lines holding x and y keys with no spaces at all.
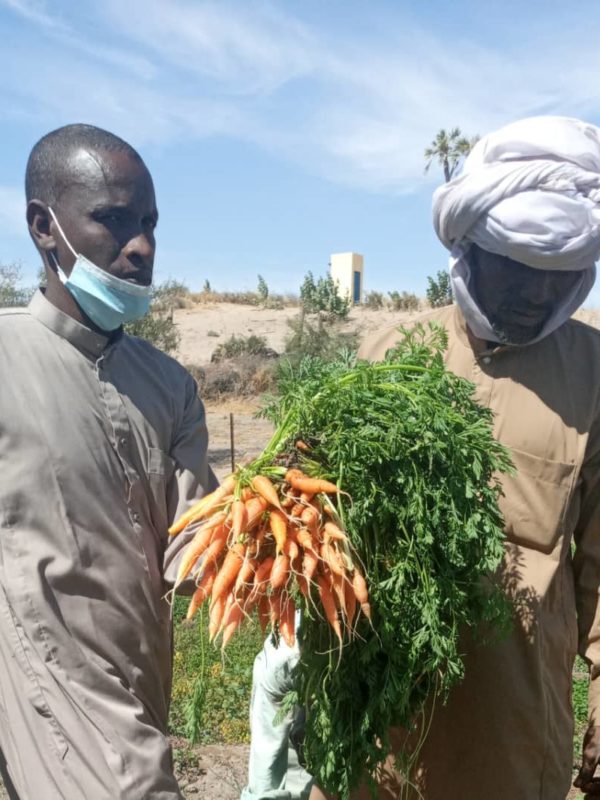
{"x":263,"y":486}
{"x":204,"y":507}
{"x":245,"y":575}
{"x":294,"y":473}
{"x":278,"y":523}
{"x":310,"y":518}
{"x":197,"y":547}
{"x":332,"y":531}
{"x":229,"y":570}
{"x":310,"y":562}
{"x":332,"y":558}
{"x":202,"y":591}
{"x":303,"y":585}
{"x":236,"y":615}
{"x":261,"y":576}
{"x":274,"y":607}
{"x":263,"y":613}
{"x":217,"y":543}
{"x":255,"y":508}
{"x":305,"y":540}
{"x":350,"y":601}
{"x":290,"y":548}
{"x":280,"y":571}
{"x":337,"y":584}
{"x":329,"y":606}
{"x":239,"y":517}
{"x":287,"y":622}
{"x":362,"y":595}
{"x":216,"y":615}
{"x":313,"y":485}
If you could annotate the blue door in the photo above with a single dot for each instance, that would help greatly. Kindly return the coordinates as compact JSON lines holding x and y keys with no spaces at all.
{"x":356,"y":294}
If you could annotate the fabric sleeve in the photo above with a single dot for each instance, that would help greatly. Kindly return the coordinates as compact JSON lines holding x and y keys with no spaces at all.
{"x":586,"y":567}
{"x":193,"y":476}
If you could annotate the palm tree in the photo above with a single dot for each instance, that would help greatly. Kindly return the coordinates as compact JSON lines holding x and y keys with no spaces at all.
{"x":449,"y":148}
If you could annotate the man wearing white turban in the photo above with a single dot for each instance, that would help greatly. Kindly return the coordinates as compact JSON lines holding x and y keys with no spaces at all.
{"x":522,"y":223}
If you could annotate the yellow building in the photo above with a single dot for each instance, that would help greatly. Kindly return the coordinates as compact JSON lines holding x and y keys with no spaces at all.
{"x":346,"y":270}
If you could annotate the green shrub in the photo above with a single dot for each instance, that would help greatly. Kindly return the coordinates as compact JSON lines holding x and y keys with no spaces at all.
{"x":439,"y":290}
{"x":262,"y":290}
{"x":323,"y":296}
{"x":158,"y":328}
{"x":404,"y":301}
{"x":11,"y":292}
{"x":324,"y":338}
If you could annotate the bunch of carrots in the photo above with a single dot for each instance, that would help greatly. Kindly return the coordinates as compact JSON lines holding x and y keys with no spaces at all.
{"x":259,"y":542}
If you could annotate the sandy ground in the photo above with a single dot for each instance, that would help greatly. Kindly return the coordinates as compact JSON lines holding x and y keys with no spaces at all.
{"x":204,"y":327}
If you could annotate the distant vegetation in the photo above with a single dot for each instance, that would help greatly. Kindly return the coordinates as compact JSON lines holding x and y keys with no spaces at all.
{"x":439,"y":290}
{"x":11,"y":291}
{"x":245,"y":365}
{"x":322,"y":296}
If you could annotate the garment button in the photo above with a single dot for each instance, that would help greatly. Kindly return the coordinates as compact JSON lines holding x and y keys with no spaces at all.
{"x":136,"y":517}
{"x":487,"y":360}
{"x":122,"y":441}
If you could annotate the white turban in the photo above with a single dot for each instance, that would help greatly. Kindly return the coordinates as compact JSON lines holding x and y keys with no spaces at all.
{"x":530,"y":191}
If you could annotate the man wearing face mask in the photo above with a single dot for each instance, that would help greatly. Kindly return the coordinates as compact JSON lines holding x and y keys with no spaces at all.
{"x":102,"y":444}
{"x":522,"y":223}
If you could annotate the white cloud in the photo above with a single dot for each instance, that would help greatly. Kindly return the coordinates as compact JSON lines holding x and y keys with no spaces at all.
{"x":247,"y":48}
{"x":356,"y":109}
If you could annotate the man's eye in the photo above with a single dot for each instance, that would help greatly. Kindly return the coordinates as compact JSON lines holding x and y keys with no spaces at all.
{"x":110,"y":217}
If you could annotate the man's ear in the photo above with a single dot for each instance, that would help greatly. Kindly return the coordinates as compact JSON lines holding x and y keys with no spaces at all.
{"x":39,"y":222}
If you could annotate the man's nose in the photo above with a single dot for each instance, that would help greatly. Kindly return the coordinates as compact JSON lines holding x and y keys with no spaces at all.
{"x":141,"y":245}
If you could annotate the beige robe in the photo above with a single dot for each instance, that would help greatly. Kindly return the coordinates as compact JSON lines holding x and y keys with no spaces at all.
{"x":506,"y":732}
{"x":102,"y":443}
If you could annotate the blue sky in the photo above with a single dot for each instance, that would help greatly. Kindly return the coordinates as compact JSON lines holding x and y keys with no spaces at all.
{"x":280,"y":132}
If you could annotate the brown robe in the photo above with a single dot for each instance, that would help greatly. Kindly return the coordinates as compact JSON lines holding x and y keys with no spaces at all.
{"x":507,"y":730}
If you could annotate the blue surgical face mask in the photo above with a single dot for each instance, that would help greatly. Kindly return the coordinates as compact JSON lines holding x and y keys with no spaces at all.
{"x":106,"y":300}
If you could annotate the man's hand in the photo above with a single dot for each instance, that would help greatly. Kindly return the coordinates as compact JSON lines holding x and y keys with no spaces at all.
{"x":589,"y":760}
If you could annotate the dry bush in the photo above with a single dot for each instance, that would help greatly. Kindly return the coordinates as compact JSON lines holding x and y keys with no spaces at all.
{"x":238,"y":346}
{"x":242,"y":298}
{"x":204,"y":297}
{"x":171,"y":294}
{"x":272,"y":301}
{"x":404,"y":301}
{"x":237,"y":377}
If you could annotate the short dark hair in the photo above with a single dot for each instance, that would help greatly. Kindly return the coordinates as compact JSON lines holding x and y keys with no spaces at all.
{"x":46,"y":171}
